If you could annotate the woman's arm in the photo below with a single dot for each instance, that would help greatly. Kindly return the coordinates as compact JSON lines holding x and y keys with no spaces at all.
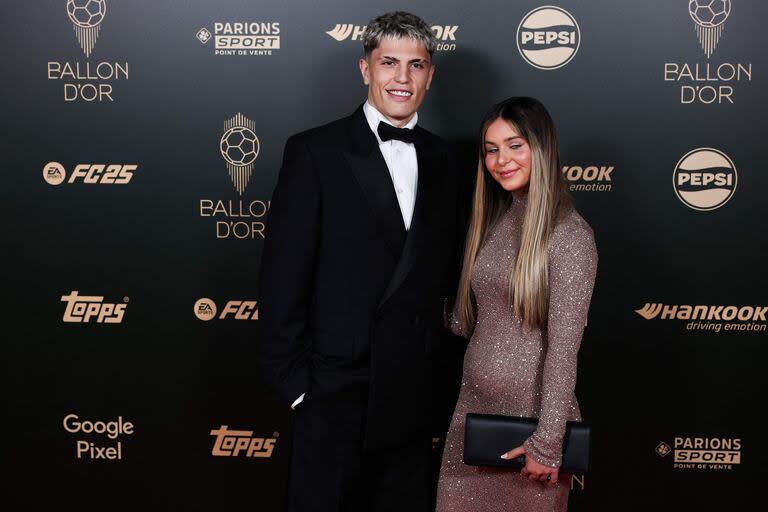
{"x":572,"y":268}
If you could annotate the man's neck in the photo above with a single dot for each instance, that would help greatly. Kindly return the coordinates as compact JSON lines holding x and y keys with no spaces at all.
{"x":397,"y":123}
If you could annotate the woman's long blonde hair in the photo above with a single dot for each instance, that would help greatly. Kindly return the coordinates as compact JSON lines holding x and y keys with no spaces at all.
{"x":547,"y":197}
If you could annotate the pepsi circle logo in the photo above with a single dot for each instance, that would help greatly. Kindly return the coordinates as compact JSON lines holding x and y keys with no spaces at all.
{"x":705,"y":179}
{"x":548,"y":37}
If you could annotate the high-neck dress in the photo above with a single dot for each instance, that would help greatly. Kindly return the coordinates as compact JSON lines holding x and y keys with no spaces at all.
{"x":515,"y":370}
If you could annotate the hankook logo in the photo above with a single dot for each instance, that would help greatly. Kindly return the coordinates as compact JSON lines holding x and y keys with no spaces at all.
{"x":445,"y":34}
{"x":548,"y":37}
{"x":589,"y":178}
{"x":709,"y":317}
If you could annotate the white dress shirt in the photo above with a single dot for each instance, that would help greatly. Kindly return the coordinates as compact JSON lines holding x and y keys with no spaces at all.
{"x":401,"y":161}
{"x":403,"y":166}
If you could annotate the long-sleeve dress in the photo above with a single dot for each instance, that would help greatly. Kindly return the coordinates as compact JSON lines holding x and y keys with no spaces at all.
{"x":515,"y":370}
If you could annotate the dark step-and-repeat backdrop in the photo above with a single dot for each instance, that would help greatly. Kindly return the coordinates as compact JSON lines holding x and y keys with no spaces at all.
{"x":141,"y":143}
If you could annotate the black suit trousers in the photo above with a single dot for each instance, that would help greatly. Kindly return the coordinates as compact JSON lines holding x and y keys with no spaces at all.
{"x":338,"y":475}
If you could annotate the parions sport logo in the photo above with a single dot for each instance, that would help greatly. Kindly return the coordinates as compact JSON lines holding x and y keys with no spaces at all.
{"x":54,"y":173}
{"x":251,"y":38}
{"x":699,"y":452}
{"x":706,"y":82}
{"x":205,"y":309}
{"x":445,"y":34}
{"x":241,"y":219}
{"x":242,"y":443}
{"x":705,"y":179}
{"x":87,"y":81}
{"x":548,"y":37}
{"x":83,"y":309}
{"x":707,"y":317}
{"x":588,"y":178}
{"x":94,"y":447}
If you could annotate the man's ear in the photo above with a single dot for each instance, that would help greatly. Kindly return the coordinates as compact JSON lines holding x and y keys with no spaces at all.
{"x":431,"y":74}
{"x":365,"y":71}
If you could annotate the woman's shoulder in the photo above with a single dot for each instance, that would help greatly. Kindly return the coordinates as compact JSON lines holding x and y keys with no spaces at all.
{"x":572,"y":230}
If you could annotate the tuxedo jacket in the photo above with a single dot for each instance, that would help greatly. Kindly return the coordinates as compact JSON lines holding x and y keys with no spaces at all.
{"x":350,"y":303}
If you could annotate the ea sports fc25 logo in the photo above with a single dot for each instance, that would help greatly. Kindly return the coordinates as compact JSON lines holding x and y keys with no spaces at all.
{"x":205,"y":310}
{"x":705,"y":179}
{"x":548,"y":37}
{"x":102,"y":174}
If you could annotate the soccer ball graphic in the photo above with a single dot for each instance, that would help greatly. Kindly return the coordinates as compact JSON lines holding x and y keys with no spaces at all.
{"x":709,"y":13}
{"x":86,"y":13}
{"x":239,"y":146}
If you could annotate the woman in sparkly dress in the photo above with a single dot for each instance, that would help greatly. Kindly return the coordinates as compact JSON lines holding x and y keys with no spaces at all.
{"x":526,"y":283}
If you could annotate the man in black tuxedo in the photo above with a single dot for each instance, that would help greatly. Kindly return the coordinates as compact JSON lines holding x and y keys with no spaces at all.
{"x":361,"y":254}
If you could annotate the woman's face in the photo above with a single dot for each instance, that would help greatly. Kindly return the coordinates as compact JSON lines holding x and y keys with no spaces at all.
{"x":507,"y":157}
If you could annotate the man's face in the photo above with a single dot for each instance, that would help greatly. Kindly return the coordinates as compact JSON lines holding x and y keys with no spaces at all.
{"x":398,"y":73}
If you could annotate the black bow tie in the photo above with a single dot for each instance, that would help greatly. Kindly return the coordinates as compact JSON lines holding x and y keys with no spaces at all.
{"x":388,"y":132}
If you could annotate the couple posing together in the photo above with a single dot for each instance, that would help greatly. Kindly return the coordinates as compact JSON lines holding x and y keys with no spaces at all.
{"x":368,"y":257}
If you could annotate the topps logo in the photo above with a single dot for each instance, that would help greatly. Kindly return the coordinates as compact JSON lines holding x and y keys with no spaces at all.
{"x":84,"y":308}
{"x":233,"y":443}
{"x":103,"y":174}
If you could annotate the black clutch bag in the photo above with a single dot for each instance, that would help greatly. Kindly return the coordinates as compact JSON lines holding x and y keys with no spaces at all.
{"x":488,"y":436}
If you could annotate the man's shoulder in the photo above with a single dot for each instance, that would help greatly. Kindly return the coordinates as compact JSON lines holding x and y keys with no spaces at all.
{"x":322,"y":134}
{"x":436,"y":141}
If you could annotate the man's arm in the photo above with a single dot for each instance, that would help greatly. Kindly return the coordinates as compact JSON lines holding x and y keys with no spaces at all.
{"x":287,"y":275}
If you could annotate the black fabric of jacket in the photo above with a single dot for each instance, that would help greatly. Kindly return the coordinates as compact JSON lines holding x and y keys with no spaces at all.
{"x":350,"y":304}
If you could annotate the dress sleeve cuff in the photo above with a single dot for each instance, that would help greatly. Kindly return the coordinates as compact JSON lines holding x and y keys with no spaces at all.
{"x":532,"y":451}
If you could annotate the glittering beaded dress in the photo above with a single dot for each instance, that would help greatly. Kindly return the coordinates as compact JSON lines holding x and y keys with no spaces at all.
{"x":515,"y":370}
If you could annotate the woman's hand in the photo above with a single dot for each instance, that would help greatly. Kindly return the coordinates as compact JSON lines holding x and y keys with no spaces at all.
{"x":533,"y":470}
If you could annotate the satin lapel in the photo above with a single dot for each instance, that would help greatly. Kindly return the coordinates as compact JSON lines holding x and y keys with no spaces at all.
{"x":426,"y":190}
{"x":371,"y":172}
